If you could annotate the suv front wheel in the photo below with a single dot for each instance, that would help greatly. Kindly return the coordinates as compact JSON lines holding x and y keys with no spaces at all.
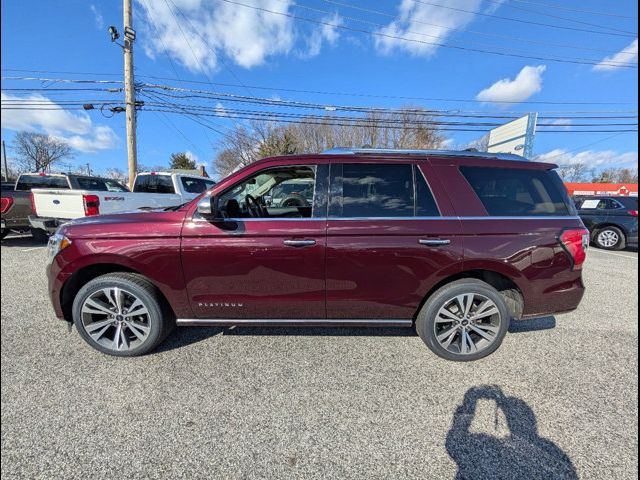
{"x":120,"y":314}
{"x":464,"y":320}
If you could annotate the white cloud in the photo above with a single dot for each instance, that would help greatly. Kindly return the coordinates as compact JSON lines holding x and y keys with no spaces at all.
{"x":327,"y":33}
{"x":591,"y":158}
{"x":426,"y":23}
{"x":245,"y":35}
{"x":626,"y":55}
{"x":220,"y":110}
{"x":526,"y":83}
{"x":76,"y":129}
{"x":97,"y":16}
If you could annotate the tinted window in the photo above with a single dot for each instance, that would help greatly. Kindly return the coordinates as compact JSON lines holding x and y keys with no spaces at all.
{"x":196,"y":185}
{"x":629,"y":202}
{"x":425,"y":203}
{"x":99,"y":184}
{"x":154,"y":184}
{"x":27,"y":182}
{"x":372,"y":190}
{"x":517,"y":192}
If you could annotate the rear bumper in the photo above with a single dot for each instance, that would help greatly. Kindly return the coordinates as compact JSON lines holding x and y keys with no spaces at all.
{"x":559,"y":298}
{"x":44,"y":223}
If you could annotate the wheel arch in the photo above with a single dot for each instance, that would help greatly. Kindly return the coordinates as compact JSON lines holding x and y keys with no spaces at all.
{"x":506,"y":286}
{"x":85,"y":274}
{"x":603,"y":225}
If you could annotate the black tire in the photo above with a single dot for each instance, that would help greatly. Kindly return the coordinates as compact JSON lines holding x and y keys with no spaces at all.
{"x":160,"y":319}
{"x":5,"y":232}
{"x":426,"y":319}
{"x":602,"y":238}
{"x":39,"y":235}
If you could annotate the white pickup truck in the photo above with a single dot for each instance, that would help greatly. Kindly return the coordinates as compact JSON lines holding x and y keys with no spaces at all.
{"x":76,"y":196}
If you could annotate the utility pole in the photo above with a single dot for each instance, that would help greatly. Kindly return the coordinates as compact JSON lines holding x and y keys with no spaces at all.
{"x":4,"y":154}
{"x":129,"y":91}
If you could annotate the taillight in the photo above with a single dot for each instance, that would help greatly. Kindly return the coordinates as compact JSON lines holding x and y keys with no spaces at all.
{"x":633,"y":213}
{"x":575,"y":242}
{"x":91,"y":205}
{"x":33,"y":203}
{"x":6,"y":204}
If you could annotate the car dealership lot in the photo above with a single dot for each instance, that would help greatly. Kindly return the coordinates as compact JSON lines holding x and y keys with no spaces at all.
{"x":323,"y":403}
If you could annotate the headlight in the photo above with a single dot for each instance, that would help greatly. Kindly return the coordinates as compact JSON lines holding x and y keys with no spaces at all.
{"x":57,"y":243}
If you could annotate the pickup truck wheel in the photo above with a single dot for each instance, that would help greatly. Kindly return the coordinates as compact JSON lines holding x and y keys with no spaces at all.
{"x":121,"y":314}
{"x":464,"y":320}
{"x":610,"y":238}
{"x":39,"y":235}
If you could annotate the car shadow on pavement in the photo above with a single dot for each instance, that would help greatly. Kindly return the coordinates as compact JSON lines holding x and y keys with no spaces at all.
{"x":184,"y":336}
{"x":532,"y":325}
{"x":518,"y":452}
{"x":21,"y":241}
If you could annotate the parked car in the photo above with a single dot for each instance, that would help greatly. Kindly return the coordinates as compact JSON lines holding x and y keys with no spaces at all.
{"x":15,"y":209}
{"x":611,"y":220}
{"x":455,"y":244}
{"x":90,"y":196}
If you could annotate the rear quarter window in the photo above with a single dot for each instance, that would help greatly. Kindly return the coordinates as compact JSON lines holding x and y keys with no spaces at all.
{"x":507,"y":192}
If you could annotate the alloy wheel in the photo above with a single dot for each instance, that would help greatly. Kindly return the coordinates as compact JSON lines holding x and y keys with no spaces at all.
{"x":116,"y":319}
{"x":467,"y":324}
{"x":608,"y":238}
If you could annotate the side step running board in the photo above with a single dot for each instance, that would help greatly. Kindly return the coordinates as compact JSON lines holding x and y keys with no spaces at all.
{"x":319,"y":322}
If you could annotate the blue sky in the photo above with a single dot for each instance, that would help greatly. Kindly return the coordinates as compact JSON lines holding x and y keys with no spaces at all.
{"x":223,"y":42}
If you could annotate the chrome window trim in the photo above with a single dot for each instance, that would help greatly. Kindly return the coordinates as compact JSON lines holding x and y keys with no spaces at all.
{"x":307,"y":219}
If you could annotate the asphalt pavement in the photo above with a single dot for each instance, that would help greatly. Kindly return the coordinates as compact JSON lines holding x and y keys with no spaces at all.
{"x":557,"y":400}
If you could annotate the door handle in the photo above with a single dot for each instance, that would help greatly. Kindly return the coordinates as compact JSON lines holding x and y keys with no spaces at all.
{"x":299,"y":243}
{"x":435,"y":242}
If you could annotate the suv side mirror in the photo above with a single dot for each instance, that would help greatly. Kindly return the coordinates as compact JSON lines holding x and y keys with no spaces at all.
{"x":208,"y":208}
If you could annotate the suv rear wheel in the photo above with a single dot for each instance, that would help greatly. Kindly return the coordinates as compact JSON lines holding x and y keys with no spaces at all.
{"x":464,"y":320}
{"x":120,"y":314}
{"x":610,"y":238}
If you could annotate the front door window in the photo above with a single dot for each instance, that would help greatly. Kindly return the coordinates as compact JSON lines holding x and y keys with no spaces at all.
{"x":282,"y":192}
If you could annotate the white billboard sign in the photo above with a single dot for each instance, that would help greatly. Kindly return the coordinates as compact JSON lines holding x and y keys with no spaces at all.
{"x":514,"y":137}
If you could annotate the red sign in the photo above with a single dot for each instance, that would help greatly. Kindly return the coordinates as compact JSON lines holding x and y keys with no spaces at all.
{"x":626,"y":189}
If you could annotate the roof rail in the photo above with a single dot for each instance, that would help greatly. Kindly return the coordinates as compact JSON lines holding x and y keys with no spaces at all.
{"x":393,"y":151}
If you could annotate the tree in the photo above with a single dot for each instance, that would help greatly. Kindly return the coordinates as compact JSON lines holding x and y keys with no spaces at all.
{"x":617,"y":175}
{"x":182,"y":161}
{"x":410,"y":127}
{"x":117,"y":174}
{"x":37,"y":152}
{"x":575,"y":172}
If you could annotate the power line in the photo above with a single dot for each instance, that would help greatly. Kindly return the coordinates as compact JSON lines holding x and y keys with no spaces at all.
{"x":558,"y":17}
{"x":568,"y":9}
{"x":465,"y":30}
{"x":581,"y":61}
{"x":530,"y":22}
{"x":587,"y":145}
{"x":316,"y":92}
{"x":423,"y":34}
{"x":196,"y":93}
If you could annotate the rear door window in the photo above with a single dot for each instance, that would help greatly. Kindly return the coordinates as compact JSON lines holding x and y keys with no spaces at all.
{"x":27,"y":182}
{"x":507,"y":192}
{"x":378,"y":190}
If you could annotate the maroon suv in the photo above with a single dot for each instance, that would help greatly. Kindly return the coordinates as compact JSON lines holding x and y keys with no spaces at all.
{"x":453,"y":243}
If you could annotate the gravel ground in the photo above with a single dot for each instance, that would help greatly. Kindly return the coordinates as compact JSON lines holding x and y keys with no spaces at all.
{"x":322,"y":403}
